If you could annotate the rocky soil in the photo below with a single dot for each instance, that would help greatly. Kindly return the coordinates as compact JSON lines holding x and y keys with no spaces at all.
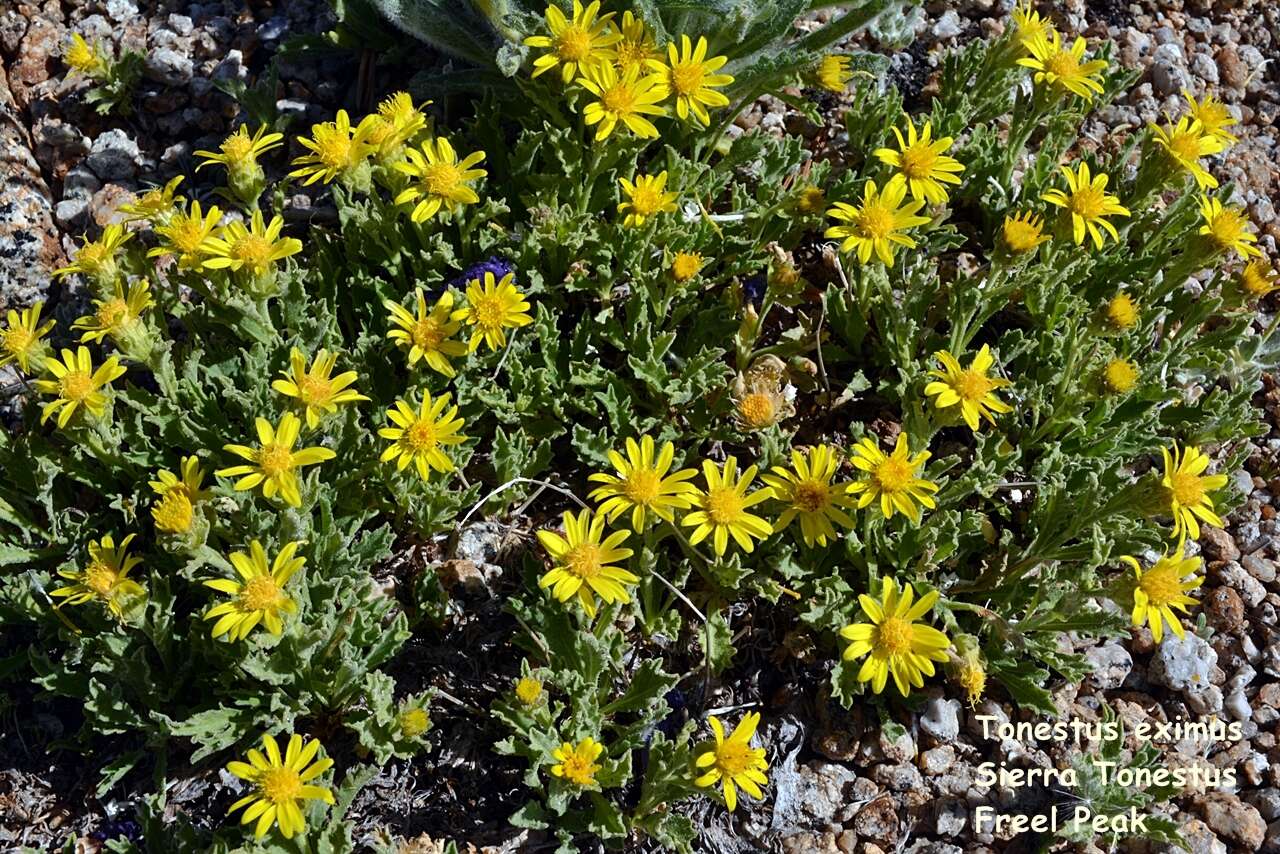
{"x":840,"y":782}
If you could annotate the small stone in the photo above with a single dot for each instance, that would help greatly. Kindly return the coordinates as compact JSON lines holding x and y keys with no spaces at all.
{"x":1183,"y":664}
{"x":1266,"y":802}
{"x":948,"y":26}
{"x":1236,"y":704}
{"x":180,"y":24}
{"x":899,"y":778}
{"x":1234,"y":73}
{"x":1243,"y":482}
{"x":121,"y":10}
{"x":167,"y":66}
{"x":1111,"y":664}
{"x":1224,"y":610}
{"x":1250,"y":589}
{"x":1232,"y":819}
{"x":952,"y":817}
{"x":878,"y":821}
{"x":1217,"y":544}
{"x":941,"y":719}
{"x":938,"y":761}
{"x":71,"y":213}
{"x":1168,"y":71}
{"x":899,"y":751}
{"x":114,"y":156}
{"x":1205,"y":702}
{"x":1259,"y":567}
{"x":1203,"y":66}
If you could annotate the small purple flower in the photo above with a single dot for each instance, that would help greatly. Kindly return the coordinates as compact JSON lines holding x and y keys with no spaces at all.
{"x":498,"y":266}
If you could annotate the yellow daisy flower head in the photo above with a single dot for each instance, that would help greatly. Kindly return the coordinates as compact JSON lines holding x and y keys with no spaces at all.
{"x":106,"y":578}
{"x":879,"y":224}
{"x":1212,"y":115}
{"x":1162,"y":589}
{"x":274,"y":464}
{"x":895,"y":642}
{"x":1187,"y":489}
{"x":315,"y":388}
{"x":1185,"y":143}
{"x":118,"y":316}
{"x":83,"y":59}
{"x":190,"y":236}
{"x":685,"y":265}
{"x":240,"y":151}
{"x":438,"y":178}
{"x":834,"y":72}
{"x":721,"y":509}
{"x":921,"y":162}
{"x":627,"y":98}
{"x":892,"y":478}
{"x":1063,"y":68}
{"x":76,"y":384}
{"x":493,"y":308}
{"x":810,"y":200}
{"x":969,"y":387}
{"x":763,"y":396}
{"x":420,"y":437}
{"x":398,"y":122}
{"x":691,"y":78}
{"x":427,"y":335}
{"x":21,"y":340}
{"x":732,"y":761}
{"x":576,"y":764}
{"x":971,"y":676}
{"x":635,"y":46}
{"x":1029,"y":25}
{"x":336,"y":150}
{"x":174,"y":512}
{"x":574,"y":44}
{"x":1257,"y":279}
{"x":582,"y":562}
{"x":258,"y":595}
{"x":1228,"y":227}
{"x":642,"y":484}
{"x":646,"y":197}
{"x":156,"y":204}
{"x":528,"y":690}
{"x":96,"y":259}
{"x":1023,"y":232}
{"x":1087,"y":200}
{"x":1122,"y":312}
{"x":252,"y":250}
{"x":807,"y":494}
{"x":1120,"y":376}
{"x":280,"y":784}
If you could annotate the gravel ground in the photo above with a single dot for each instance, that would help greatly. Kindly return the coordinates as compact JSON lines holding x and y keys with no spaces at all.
{"x":838,"y":782}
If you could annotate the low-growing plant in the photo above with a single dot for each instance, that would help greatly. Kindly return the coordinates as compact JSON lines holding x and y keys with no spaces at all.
{"x":114,"y":79}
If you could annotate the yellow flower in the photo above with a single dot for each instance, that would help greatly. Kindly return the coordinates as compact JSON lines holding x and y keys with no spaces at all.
{"x":491,"y":309}
{"x":1186,"y":142}
{"x":685,"y":265}
{"x":642,"y":484}
{"x":115,"y":316}
{"x":834,"y":72}
{"x":1089,"y":204}
{"x":762,"y":397}
{"x":254,"y":249}
{"x":258,"y":597}
{"x":336,"y":149}
{"x":528,"y":690}
{"x":574,"y":44}
{"x":1064,"y":68}
{"x":877,"y":225}
{"x":582,"y":561}
{"x":190,"y":236}
{"x":921,"y":161}
{"x":77,"y":384}
{"x":279,"y":783}
{"x":97,"y":258}
{"x":972,"y":677}
{"x":807,"y":492}
{"x":439,"y":179}
{"x":1163,"y":588}
{"x":274,"y":463}
{"x":1023,"y":232}
{"x":691,"y":78}
{"x":733,"y":762}
{"x":1213,"y":116}
{"x":1122,"y":311}
{"x":1187,"y":488}
{"x":1228,"y":228}
{"x":892,"y":479}
{"x":578,"y":764}
{"x":154,"y":204}
{"x":646,"y":197}
{"x":898,"y":644}
{"x":105,"y":578}
{"x":421,"y":437}
{"x":625,"y":98}
{"x":1029,"y":25}
{"x":970,"y":387}
{"x":21,"y":339}
{"x":427,"y":335}
{"x":720,"y":511}
{"x":635,"y":45}
{"x":174,"y":511}
{"x":239,"y":151}
{"x":413,"y":722}
{"x":1120,"y":376}
{"x":397,"y":122}
{"x":83,"y":59}
{"x":319,"y":393}
{"x":1257,"y":280}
